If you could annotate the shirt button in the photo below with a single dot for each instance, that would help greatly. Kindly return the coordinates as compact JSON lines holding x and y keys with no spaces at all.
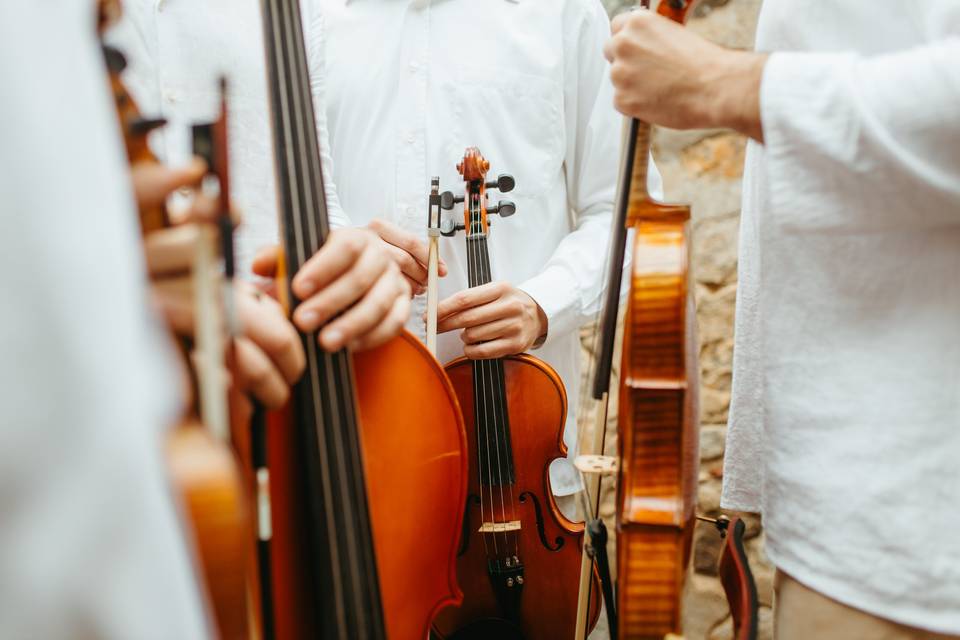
{"x":411,"y":138}
{"x":411,"y":211}
{"x":414,"y":67}
{"x":161,"y":4}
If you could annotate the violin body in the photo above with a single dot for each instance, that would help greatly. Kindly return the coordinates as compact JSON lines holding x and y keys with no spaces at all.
{"x":211,"y":488}
{"x":549,"y":545}
{"x":414,"y":459}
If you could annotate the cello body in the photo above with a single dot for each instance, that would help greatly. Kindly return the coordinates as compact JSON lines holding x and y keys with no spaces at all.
{"x":550,"y":544}
{"x":415,"y":466}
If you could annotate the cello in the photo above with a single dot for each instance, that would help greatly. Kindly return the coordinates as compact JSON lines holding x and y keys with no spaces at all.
{"x":519,"y":557}
{"x":367,"y":465}
{"x":658,"y":421}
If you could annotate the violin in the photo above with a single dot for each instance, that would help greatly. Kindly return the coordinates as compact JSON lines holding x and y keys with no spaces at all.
{"x":203,"y":467}
{"x":367,"y":465}
{"x":519,"y":557}
{"x":658,"y":422}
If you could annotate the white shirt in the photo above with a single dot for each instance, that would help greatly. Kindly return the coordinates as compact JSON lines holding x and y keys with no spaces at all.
{"x":412,"y":83}
{"x":177,"y":50}
{"x":845,"y":420}
{"x":90,"y":545}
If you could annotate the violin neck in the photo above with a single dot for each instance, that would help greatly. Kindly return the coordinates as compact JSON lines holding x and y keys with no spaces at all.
{"x":489,"y":383}
{"x":342,"y":564}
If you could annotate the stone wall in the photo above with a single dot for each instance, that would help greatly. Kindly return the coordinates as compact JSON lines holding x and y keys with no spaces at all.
{"x":704,"y":168}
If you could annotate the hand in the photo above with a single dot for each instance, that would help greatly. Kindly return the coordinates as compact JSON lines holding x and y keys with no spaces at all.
{"x":154,"y":182}
{"x":497,"y":320}
{"x":268,"y":356}
{"x":667,"y":75}
{"x":350,"y":275}
{"x":411,"y":254}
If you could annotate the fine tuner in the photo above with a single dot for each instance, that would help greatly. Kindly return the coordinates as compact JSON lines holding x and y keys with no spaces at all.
{"x":504,"y":183}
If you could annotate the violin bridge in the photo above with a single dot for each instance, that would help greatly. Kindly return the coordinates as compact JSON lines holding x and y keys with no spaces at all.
{"x":500,"y":527}
{"x":602,"y":465}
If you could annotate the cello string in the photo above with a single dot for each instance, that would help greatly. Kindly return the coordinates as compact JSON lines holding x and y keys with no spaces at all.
{"x":340,"y":380}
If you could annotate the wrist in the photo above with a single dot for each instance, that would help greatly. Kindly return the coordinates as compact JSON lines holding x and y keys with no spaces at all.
{"x":543,"y":324}
{"x":732,"y":92}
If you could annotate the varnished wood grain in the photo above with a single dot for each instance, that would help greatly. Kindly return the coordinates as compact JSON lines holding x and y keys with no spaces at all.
{"x":414,"y":451}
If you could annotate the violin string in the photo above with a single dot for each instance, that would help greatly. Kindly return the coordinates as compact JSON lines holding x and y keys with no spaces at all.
{"x":494,"y":418}
{"x":480,"y":388}
{"x":491,"y":367}
{"x":499,"y":399}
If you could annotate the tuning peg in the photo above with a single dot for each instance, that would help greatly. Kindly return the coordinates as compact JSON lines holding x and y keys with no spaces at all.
{"x":447,"y":200}
{"x":505,"y":208}
{"x":449,"y":228}
{"x":504,"y":183}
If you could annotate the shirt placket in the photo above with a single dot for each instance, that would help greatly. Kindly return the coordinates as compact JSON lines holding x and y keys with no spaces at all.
{"x":411,"y":169}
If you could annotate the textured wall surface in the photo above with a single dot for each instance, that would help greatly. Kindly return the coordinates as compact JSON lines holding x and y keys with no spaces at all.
{"x":704,"y":168}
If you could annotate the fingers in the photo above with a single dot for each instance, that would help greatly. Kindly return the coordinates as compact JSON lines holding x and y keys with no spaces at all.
{"x":340,"y":255}
{"x":174,"y":298}
{"x":490,"y":350}
{"x":417,"y":251}
{"x":265,"y":324}
{"x":413,"y":270}
{"x":489,"y":331}
{"x":350,"y":286}
{"x":387,"y":329}
{"x":470,"y":298}
{"x":153,"y":182}
{"x":365,"y":316}
{"x":474,"y":317}
{"x":392,"y":234}
{"x":170,"y":251}
{"x":265,"y":262}
{"x":256,"y":374}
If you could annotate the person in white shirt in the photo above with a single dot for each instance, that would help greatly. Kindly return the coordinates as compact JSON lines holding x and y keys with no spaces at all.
{"x":177,"y":51}
{"x":90,"y":545}
{"x":844,"y":423}
{"x":411,"y":84}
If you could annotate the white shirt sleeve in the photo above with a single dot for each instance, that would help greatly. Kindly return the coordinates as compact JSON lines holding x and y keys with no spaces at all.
{"x":570,"y":287}
{"x":313,"y":34}
{"x":882,"y":129}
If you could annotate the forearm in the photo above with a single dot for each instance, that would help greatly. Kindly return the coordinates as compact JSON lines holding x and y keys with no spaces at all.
{"x":730,"y":93}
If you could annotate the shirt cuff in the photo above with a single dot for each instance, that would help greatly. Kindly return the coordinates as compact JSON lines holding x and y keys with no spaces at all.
{"x":554,"y":290}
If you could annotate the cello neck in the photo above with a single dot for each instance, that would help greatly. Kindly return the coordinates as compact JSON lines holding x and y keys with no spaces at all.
{"x":346,"y":599}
